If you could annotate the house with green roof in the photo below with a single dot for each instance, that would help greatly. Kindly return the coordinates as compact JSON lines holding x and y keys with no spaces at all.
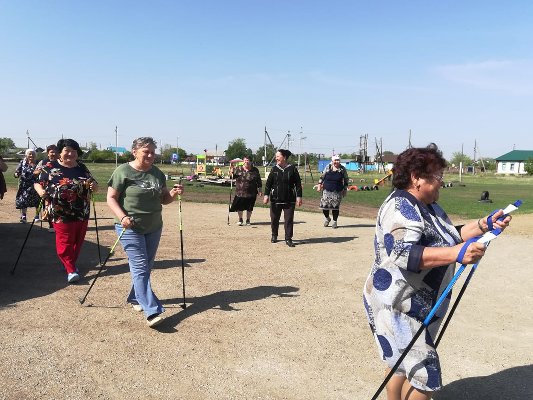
{"x":513,"y":162}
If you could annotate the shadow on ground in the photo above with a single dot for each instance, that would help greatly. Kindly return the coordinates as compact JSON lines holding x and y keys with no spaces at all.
{"x":337,"y":239}
{"x":223,"y":301}
{"x":512,"y":383}
{"x":39,"y":272}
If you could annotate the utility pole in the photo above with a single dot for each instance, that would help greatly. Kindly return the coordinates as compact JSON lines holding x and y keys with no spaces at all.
{"x":288,"y":139}
{"x":116,"y":146}
{"x":300,"y":152}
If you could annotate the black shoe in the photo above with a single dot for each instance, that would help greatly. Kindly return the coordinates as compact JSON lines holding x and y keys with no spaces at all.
{"x":274,"y":239}
{"x":289,"y":242}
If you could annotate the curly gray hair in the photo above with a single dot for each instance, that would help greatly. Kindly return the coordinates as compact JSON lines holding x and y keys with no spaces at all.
{"x":143,"y":142}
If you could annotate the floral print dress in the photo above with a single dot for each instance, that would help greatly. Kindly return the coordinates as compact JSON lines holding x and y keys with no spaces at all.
{"x":26,"y":194}
{"x":398,"y":295}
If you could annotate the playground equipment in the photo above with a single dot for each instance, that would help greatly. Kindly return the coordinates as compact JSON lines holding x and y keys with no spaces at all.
{"x":201,"y":164}
{"x":385,"y":178}
{"x":363,"y":187}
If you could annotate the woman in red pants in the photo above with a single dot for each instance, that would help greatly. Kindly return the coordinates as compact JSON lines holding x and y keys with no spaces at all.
{"x":67,"y":183}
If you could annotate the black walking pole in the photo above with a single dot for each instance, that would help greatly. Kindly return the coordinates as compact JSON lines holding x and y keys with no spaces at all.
{"x":102,"y":265}
{"x":422,"y":328}
{"x":96,"y":228}
{"x":184,"y":306}
{"x":231,"y":190}
{"x":455,"y":304}
{"x":26,"y":239}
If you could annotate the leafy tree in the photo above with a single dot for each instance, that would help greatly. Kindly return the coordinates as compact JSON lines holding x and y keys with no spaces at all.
{"x":168,"y":151}
{"x":528,"y":166}
{"x":260,"y":153}
{"x":6,"y":144}
{"x":101,"y":156}
{"x":237,"y":148}
{"x":460,"y":157}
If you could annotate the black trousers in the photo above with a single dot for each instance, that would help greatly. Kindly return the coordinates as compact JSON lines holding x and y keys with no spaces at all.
{"x":288,"y":217}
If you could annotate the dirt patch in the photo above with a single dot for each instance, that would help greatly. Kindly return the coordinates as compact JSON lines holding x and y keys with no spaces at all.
{"x":264,"y":321}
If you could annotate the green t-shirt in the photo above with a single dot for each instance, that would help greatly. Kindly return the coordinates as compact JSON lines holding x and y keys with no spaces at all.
{"x":140,"y":196}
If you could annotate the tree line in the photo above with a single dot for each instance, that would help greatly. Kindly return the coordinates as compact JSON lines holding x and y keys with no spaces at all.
{"x":237,"y":148}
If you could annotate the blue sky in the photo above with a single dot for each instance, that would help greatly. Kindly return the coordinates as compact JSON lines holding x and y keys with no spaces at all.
{"x":202,"y":73}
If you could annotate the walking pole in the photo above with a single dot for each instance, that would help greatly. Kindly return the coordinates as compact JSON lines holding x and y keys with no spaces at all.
{"x":455,"y":304}
{"x":184,"y":305}
{"x":510,"y":208}
{"x":424,"y":325}
{"x":12,"y":272}
{"x":96,"y":228}
{"x":231,"y":190}
{"x":102,"y":265}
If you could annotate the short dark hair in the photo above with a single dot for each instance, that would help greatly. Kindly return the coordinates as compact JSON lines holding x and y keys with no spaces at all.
{"x":285,"y":153}
{"x":420,"y":161}
{"x":62,"y":143}
{"x":51,"y":147}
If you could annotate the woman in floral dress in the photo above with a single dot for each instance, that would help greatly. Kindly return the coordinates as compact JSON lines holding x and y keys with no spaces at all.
{"x":26,"y":194}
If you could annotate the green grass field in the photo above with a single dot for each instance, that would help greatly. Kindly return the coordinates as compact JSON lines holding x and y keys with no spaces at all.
{"x":461,"y":199}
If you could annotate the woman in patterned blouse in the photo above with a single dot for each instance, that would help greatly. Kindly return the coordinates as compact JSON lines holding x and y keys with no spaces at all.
{"x":416,"y":247}
{"x":333,"y":184}
{"x":247,"y":186}
{"x":67,"y":184}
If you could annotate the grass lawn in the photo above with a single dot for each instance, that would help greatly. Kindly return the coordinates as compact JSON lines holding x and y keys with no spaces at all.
{"x":461,"y":199}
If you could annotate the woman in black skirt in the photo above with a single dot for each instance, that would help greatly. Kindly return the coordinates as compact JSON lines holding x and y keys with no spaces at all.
{"x":247,"y":186}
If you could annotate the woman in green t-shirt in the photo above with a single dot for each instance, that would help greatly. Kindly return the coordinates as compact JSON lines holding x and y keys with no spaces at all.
{"x":135,"y":194}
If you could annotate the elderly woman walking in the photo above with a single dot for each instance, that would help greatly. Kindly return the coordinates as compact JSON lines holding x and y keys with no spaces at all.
{"x":51,"y":152}
{"x":66,"y":184}
{"x":283,"y":189}
{"x":26,"y":195}
{"x":416,"y":247}
{"x":136,"y":192}
{"x":247,"y":187}
{"x":333,"y":183}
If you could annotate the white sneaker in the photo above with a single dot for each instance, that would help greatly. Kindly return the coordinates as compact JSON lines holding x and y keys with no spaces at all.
{"x":334,"y":225}
{"x":326,"y":221}
{"x":154,"y":321}
{"x":73,"y":277}
{"x":240,"y":223}
{"x":137,"y":307}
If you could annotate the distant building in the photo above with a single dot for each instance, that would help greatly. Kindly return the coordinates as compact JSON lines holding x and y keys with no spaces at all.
{"x":350,"y":165}
{"x":119,"y":150}
{"x":513,"y":162}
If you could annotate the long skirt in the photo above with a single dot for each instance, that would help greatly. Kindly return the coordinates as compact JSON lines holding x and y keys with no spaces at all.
{"x":330,"y":200}
{"x":242,"y":204}
{"x":26,"y":195}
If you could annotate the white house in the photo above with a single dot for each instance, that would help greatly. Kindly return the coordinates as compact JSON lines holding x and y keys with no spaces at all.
{"x":513,"y":162}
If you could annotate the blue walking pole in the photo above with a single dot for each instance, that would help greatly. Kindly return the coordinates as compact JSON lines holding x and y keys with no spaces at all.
{"x":424,"y":325}
{"x":510,"y":208}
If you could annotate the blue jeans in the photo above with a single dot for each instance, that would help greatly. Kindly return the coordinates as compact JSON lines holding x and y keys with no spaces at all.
{"x":141,"y":251}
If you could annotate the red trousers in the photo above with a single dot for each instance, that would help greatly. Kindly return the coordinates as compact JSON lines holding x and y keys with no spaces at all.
{"x":69,"y":239}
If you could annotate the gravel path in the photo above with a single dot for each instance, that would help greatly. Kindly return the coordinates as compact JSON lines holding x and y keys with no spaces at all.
{"x":263,"y":321}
